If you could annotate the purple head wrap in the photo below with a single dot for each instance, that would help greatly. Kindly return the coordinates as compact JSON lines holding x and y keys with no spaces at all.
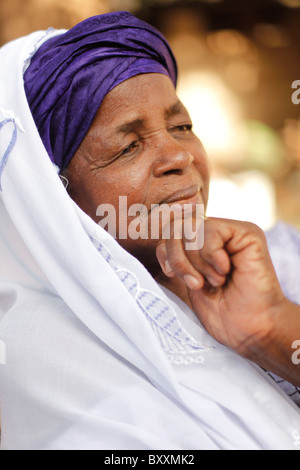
{"x":70,"y":75}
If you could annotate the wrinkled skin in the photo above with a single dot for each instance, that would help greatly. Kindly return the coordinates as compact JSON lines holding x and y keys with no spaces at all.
{"x":141,"y":146}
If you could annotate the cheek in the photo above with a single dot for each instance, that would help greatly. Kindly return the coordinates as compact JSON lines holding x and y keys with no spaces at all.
{"x":202,"y":165}
{"x":122,"y":189}
{"x":132,"y":184}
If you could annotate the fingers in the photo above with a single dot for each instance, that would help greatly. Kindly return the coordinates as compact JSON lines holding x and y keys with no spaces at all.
{"x":191,"y":267}
{"x":214,"y":251}
{"x":196,"y":268}
{"x":212,"y":262}
{"x":174,"y":262}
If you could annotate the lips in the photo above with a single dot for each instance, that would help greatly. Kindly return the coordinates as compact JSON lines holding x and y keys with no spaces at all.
{"x":183,"y":195}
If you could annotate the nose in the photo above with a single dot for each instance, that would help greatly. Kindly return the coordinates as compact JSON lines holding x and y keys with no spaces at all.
{"x":171,"y":158}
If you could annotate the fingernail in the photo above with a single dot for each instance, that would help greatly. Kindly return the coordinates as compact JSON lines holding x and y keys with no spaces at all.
{"x":168,"y":269}
{"x":213,"y":282}
{"x":191,"y":282}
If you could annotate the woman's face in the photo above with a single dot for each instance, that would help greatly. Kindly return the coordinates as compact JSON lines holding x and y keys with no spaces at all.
{"x":140,"y":145}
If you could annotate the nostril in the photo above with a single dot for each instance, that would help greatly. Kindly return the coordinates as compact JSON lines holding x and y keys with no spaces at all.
{"x":173,"y":172}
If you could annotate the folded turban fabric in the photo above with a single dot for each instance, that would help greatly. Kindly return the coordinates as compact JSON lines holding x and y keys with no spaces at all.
{"x":70,"y":75}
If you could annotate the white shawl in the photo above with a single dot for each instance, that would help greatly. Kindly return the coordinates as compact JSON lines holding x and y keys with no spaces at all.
{"x":97,"y":355}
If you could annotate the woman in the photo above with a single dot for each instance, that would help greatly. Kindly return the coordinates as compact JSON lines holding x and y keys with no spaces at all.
{"x":98,"y":354}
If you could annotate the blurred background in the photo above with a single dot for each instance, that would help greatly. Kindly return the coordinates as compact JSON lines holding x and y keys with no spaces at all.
{"x":237,"y":63}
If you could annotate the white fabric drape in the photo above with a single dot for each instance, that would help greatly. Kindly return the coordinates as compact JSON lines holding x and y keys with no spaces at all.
{"x":97,"y":355}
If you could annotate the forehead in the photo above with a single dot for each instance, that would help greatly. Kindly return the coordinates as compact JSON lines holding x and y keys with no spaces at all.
{"x":144,"y":96}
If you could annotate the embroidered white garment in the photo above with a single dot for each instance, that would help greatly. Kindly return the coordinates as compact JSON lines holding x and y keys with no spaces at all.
{"x":97,"y":355}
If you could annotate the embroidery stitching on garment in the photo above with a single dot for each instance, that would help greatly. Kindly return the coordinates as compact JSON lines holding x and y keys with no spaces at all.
{"x":296,"y":439}
{"x":12,"y":143}
{"x":291,"y":390}
{"x":181,"y":348}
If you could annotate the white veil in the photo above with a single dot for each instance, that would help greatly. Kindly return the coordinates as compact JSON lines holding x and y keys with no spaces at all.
{"x":97,"y":355}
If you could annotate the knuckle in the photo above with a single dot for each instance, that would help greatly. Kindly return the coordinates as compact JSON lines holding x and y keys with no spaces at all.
{"x":255,"y":235}
{"x":178,"y":265}
{"x":254,"y":231}
{"x":211,"y":238}
{"x":161,"y":251}
{"x":253,"y":228}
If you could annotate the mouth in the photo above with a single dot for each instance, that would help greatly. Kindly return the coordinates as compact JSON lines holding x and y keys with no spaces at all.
{"x":191,"y":194}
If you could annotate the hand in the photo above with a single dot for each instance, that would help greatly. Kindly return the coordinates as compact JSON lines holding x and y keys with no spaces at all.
{"x":231,"y":282}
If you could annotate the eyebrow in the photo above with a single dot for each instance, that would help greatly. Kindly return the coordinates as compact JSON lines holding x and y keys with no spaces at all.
{"x":138,"y":123}
{"x":176,"y":108}
{"x":130,"y":126}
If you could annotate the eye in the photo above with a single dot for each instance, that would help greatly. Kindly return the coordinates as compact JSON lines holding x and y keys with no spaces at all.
{"x":129,"y":149}
{"x":183,"y":128}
